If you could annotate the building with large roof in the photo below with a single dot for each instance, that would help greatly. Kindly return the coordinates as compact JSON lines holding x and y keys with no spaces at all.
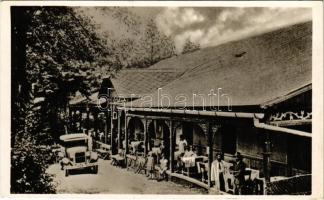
{"x":252,"y":96}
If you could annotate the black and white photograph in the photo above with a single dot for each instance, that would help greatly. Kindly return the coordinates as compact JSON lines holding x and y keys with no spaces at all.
{"x":162,"y":100}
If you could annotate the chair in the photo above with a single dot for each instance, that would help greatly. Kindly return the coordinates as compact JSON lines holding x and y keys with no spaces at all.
{"x":119,"y":159}
{"x":131,"y":161}
{"x":141,"y":165}
{"x":104,"y":151}
{"x":228,"y":178}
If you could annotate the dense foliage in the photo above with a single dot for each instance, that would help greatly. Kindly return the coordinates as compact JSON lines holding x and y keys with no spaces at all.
{"x":55,"y":53}
{"x":190,"y":47}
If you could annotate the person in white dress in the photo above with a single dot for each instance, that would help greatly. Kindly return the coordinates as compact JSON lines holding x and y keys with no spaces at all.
{"x":182,"y":144}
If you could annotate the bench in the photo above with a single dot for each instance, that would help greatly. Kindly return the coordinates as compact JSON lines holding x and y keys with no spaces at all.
{"x":188,"y":179}
{"x":118,"y":159}
{"x":103,"y":150}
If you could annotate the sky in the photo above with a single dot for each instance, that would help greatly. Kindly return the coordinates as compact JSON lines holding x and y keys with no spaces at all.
{"x":208,"y":26}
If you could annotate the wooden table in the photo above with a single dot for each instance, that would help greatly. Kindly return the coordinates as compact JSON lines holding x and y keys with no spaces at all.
{"x":188,"y":164}
{"x":103,"y":154}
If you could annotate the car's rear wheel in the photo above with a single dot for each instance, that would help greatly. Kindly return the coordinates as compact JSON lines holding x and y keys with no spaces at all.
{"x":95,"y":169}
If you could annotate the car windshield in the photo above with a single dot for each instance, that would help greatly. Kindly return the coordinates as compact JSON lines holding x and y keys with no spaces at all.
{"x":75,"y":143}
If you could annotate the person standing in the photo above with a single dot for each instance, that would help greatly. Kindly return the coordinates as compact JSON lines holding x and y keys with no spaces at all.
{"x":162,"y":147}
{"x":90,"y":142}
{"x":181,"y":150}
{"x":150,"y":165}
{"x":217,"y":173}
{"x":101,"y":136}
{"x":181,"y":147}
{"x":239,"y":172}
{"x":182,"y":144}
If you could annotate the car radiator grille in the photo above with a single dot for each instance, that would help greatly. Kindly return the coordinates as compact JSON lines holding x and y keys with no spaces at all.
{"x":80,"y":157}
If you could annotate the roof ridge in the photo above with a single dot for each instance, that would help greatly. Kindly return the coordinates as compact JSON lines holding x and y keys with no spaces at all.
{"x":150,"y":70}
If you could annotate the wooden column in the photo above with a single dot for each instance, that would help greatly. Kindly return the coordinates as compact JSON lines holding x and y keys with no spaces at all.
{"x":95,"y":122}
{"x":266,"y":157}
{"x":126,"y":132}
{"x":70,"y":120}
{"x":212,"y":131}
{"x":146,"y":123}
{"x":171,"y":145}
{"x":126,"y":138}
{"x":210,"y":152}
{"x":87,"y":120}
{"x":145,"y":139}
{"x":112,"y":136}
{"x":106,"y":126}
{"x":119,"y":145}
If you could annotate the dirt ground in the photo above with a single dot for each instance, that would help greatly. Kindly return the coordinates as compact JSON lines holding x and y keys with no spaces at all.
{"x":114,"y":180}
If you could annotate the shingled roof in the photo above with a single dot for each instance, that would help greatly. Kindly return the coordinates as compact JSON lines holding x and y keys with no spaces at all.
{"x":251,"y":71}
{"x":81,"y":99}
{"x":139,"y":82}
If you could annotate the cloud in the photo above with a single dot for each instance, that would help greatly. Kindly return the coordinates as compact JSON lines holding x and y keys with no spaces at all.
{"x":171,"y":19}
{"x":213,"y":26}
{"x":207,"y":26}
{"x":230,"y":14}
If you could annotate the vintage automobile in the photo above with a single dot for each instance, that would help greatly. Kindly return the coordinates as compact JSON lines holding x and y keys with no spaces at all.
{"x":77,"y":153}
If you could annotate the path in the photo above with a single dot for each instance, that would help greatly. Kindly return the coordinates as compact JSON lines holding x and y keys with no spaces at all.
{"x":113,"y":180}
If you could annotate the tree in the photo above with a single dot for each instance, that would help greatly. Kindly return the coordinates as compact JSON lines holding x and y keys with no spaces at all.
{"x":157,"y":46}
{"x":55,"y":52}
{"x":64,"y":53}
{"x":190,"y":47}
{"x":140,"y":44}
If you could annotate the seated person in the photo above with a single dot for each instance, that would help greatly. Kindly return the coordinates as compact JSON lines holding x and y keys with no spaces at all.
{"x":156,"y":150}
{"x":136,"y":146}
{"x":161,"y":150}
{"x":163,"y":168}
{"x":178,"y":154}
{"x":189,"y":158}
{"x":189,"y":152}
